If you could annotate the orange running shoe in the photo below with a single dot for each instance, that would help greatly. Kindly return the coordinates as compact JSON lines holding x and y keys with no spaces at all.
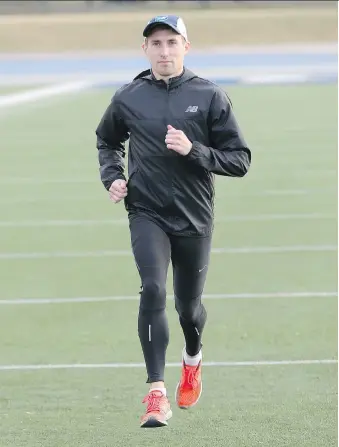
{"x":189,"y":388}
{"x":158,"y":410}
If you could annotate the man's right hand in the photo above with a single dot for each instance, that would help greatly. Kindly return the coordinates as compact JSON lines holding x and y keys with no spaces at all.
{"x":118,"y":190}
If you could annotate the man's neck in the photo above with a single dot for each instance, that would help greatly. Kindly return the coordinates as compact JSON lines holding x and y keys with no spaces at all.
{"x":166,"y":79}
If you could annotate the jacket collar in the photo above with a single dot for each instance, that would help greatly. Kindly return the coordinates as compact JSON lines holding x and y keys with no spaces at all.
{"x":185,"y":76}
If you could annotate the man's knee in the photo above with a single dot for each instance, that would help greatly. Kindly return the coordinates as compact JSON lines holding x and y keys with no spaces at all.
{"x":153,"y":295}
{"x":189,"y":310}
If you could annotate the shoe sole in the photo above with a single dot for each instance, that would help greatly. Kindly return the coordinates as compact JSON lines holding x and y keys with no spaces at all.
{"x":186,"y":407}
{"x":152,"y":422}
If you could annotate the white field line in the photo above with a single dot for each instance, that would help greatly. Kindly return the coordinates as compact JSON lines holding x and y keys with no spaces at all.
{"x":277,"y":249}
{"x":42,"y":93}
{"x":221,"y":250}
{"x":42,"y":181}
{"x":168,"y":365}
{"x":278,"y":192}
{"x":124,"y":221}
{"x":217,"y":296}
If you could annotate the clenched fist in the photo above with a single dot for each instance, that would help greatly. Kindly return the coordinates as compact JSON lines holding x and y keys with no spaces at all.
{"x":118,"y":190}
{"x":177,"y":141}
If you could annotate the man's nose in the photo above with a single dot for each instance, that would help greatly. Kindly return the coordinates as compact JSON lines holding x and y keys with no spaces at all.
{"x":164,"y":51}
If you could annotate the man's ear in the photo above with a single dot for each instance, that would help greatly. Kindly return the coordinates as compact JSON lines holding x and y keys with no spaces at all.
{"x":187,"y":46}
{"x":144,"y":45}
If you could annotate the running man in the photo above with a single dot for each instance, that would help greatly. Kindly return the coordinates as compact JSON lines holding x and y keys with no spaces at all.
{"x":181,"y":130}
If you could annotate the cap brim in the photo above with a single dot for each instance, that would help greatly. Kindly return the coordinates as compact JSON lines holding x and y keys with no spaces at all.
{"x":149,"y":28}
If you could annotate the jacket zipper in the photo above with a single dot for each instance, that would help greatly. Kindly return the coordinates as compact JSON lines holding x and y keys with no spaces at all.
{"x":167,"y":119}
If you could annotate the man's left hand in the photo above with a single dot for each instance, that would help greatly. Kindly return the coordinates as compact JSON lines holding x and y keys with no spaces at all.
{"x":177,"y":141}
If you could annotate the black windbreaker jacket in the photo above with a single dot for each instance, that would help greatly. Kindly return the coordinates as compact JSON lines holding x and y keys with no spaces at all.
{"x":174,"y":190}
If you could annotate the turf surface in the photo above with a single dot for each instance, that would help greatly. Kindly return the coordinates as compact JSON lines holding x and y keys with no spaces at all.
{"x":52,"y":204}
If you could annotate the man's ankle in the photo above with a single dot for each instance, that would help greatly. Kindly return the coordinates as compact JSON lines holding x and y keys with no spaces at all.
{"x":158,"y":386}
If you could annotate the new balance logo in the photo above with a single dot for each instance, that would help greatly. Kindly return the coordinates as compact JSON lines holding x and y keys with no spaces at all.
{"x":192,"y":109}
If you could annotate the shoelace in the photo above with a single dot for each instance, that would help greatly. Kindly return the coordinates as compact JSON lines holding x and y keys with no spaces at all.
{"x":153,"y":402}
{"x":190,"y":376}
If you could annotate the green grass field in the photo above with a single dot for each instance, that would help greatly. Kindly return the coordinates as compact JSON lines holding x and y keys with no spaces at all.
{"x":62,"y":238}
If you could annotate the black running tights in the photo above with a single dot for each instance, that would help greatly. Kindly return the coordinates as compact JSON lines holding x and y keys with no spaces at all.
{"x":153,"y":250}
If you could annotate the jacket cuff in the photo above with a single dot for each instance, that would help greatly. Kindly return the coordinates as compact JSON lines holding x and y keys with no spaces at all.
{"x":108,"y":183}
{"x":198,"y":151}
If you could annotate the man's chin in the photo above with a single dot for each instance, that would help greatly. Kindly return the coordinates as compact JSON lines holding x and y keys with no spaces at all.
{"x":165,"y":68}
{"x":165,"y":71}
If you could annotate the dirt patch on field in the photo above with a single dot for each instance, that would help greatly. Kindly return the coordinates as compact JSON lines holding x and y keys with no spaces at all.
{"x":207,"y":28}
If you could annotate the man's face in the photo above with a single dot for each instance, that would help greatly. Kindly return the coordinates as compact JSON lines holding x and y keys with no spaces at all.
{"x":166,"y":50}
